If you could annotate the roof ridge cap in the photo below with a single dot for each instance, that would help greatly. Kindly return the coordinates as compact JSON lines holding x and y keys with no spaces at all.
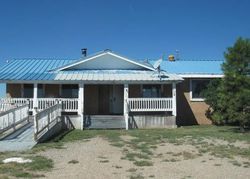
{"x":41,"y":58}
{"x":200,"y":60}
{"x":190,"y":60}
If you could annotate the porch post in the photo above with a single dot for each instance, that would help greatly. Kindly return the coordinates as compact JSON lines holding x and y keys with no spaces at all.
{"x":174,"y":111}
{"x":125,"y":108}
{"x":81,"y":102}
{"x":35,"y":101}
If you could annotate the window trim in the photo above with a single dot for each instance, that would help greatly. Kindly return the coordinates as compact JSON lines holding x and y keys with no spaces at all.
{"x":191,"y":91}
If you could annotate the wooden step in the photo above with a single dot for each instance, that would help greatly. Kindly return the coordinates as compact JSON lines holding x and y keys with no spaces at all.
{"x":104,"y":122}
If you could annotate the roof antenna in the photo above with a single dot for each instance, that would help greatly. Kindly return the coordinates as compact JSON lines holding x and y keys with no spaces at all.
{"x":157,"y":66}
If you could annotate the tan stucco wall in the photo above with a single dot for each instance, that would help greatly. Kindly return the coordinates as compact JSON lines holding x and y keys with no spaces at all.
{"x":189,"y":112}
{"x":52,"y":90}
{"x":13,"y":90}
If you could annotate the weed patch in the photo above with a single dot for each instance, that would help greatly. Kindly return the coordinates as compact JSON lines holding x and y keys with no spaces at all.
{"x":73,"y":161}
{"x":27,"y":170}
{"x":138,"y":176}
{"x":143,"y":163}
{"x":104,"y":161}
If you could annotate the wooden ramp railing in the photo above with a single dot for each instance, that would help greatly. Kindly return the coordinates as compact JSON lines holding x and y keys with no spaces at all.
{"x":7,"y":106}
{"x":46,"y":119}
{"x":12,"y":117}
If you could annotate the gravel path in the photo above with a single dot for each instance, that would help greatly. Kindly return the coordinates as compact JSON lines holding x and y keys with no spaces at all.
{"x":97,"y":159}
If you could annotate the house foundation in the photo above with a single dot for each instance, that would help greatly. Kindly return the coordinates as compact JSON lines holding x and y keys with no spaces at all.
{"x":152,"y":121}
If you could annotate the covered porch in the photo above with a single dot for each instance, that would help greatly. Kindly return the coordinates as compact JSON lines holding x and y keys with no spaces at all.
{"x":105,"y":83}
{"x":97,"y":99}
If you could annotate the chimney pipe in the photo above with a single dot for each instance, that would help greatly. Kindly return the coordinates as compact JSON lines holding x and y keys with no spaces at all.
{"x":84,"y":52}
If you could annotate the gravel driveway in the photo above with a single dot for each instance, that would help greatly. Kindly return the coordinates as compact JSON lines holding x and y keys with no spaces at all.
{"x":96,"y":158}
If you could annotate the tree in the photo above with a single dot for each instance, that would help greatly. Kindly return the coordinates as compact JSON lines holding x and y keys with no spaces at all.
{"x":229,"y":98}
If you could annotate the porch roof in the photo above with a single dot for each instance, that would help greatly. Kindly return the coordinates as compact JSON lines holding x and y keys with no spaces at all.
{"x":116,"y":75}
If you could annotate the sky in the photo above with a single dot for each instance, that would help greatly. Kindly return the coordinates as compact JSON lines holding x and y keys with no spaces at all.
{"x":139,"y":29}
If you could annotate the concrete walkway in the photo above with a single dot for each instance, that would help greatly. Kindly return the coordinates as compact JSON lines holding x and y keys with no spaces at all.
{"x":20,"y":140}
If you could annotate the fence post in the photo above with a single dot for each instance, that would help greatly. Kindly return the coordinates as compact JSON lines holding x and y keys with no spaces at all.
{"x":28,"y":119}
{"x":49,"y":116}
{"x":28,"y":103}
{"x":14,"y":120}
{"x":60,"y":108}
{"x":35,"y":123}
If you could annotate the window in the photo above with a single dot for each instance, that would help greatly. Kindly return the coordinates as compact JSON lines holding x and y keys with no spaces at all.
{"x":28,"y":90}
{"x":196,"y":88}
{"x":40,"y":91}
{"x":70,"y":91}
{"x":151,"y":91}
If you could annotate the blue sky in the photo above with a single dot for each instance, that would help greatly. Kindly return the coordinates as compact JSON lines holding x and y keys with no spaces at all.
{"x":135,"y":28}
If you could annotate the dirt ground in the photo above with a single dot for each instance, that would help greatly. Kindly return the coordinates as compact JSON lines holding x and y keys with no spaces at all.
{"x":97,"y":159}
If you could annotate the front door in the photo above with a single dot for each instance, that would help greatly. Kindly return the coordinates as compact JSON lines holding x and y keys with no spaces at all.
{"x":116,"y":99}
{"x":103,"y":99}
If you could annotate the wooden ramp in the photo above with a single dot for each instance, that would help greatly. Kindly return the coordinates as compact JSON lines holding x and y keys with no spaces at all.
{"x":104,"y":122}
{"x":20,"y":140}
{"x":45,"y":124}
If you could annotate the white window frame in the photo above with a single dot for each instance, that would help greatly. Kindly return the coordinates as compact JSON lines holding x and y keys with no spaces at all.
{"x":191,"y":91}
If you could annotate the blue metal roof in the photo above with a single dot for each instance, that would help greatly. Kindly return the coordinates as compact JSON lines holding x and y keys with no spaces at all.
{"x":31,"y":69}
{"x":41,"y":69}
{"x":210,"y":67}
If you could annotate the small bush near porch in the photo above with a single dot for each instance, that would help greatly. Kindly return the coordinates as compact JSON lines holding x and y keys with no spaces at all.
{"x":187,"y":152}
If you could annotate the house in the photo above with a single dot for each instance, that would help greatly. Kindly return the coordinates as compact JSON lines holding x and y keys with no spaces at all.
{"x":109,"y":90}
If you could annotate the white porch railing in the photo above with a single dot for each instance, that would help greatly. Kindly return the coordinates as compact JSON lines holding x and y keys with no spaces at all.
{"x":150,"y":104}
{"x":11,"y":118}
{"x":46,"y":119}
{"x":68,"y":104}
{"x":71,"y":104}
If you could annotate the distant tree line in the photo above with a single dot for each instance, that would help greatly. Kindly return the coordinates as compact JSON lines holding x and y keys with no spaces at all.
{"x":229,"y":97}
